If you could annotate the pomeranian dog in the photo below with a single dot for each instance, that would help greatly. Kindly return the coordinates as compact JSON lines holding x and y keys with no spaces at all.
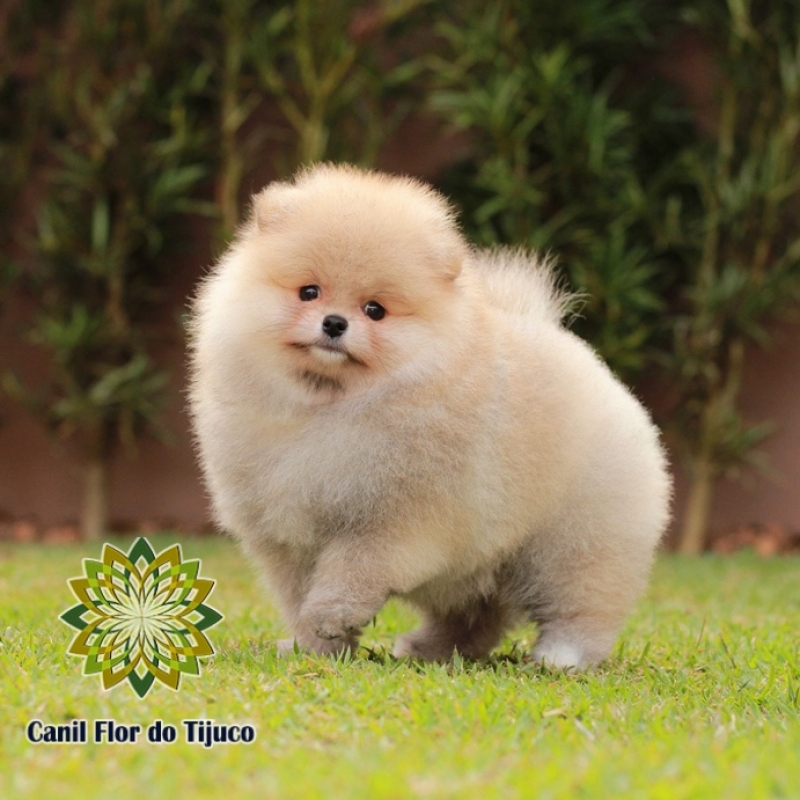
{"x":382,"y":411}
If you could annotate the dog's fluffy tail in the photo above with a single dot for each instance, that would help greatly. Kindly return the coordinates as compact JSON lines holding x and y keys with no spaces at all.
{"x":526,"y":284}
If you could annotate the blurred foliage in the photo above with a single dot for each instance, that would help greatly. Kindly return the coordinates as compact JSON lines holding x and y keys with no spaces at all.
{"x":568,"y":146}
{"x":735,"y":224}
{"x":119,"y":145}
{"x":18,"y":139}
{"x":739,"y":220}
{"x":327,"y":76}
{"x":118,"y":119}
{"x":122,"y":145}
{"x":302,"y":82}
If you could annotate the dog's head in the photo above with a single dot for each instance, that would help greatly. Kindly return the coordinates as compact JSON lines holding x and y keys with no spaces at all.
{"x":344,"y":278}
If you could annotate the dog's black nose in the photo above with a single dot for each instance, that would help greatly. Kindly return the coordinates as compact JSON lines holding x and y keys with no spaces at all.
{"x":334,"y":325}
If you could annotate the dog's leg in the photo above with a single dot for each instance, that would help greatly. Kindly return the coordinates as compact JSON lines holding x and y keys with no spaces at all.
{"x":580,"y":605}
{"x":473,"y":632}
{"x":354,"y":576}
{"x":288,"y":573}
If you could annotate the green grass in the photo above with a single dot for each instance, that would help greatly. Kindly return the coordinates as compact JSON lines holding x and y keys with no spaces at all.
{"x":701,"y":700}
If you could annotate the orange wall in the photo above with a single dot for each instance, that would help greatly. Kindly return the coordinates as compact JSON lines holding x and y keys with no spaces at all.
{"x":771,"y":391}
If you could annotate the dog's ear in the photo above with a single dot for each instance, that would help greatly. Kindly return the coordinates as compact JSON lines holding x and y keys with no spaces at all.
{"x":445,"y":242}
{"x":273,"y":204}
{"x":454,"y":257}
{"x":448,"y":248}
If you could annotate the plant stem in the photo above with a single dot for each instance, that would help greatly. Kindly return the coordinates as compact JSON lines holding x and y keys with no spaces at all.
{"x":698,"y":506}
{"x":94,"y":514}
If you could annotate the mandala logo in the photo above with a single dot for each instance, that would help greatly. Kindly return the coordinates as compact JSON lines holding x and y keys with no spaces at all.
{"x":141,"y":617}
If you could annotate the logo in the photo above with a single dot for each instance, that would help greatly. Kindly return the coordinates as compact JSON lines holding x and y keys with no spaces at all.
{"x":141,"y":617}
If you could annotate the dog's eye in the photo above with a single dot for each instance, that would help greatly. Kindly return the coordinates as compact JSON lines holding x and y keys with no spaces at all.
{"x":374,"y":310}
{"x":309,"y":293}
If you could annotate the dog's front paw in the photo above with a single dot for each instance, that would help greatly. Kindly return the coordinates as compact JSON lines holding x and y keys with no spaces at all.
{"x":338,"y":622}
{"x":331,"y":618}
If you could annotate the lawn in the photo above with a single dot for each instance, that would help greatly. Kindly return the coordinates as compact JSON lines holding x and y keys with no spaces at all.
{"x":701,"y":699}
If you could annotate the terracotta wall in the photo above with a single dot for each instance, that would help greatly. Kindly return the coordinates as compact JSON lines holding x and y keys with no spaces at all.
{"x":159,"y":483}
{"x":771,"y":391}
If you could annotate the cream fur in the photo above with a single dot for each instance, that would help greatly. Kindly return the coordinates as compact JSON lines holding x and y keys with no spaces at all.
{"x":465,"y":452}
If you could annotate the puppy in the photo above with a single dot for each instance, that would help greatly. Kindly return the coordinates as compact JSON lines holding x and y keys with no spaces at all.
{"x":382,"y":411}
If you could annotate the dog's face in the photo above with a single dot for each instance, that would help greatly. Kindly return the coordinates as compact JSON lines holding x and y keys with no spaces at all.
{"x":351,"y":280}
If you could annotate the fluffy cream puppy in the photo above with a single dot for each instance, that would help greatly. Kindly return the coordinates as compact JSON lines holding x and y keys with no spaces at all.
{"x":382,"y":411}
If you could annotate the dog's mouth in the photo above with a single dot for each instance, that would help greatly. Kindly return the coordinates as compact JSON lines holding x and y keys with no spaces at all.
{"x":328,"y":351}
{"x":330,"y":348}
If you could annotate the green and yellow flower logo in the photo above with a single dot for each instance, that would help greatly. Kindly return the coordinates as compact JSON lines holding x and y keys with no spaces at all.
{"x":141,"y":617}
